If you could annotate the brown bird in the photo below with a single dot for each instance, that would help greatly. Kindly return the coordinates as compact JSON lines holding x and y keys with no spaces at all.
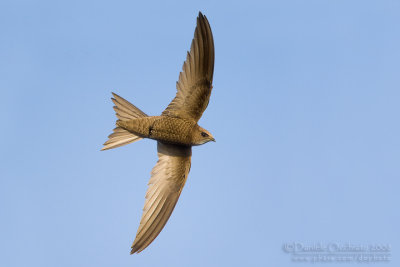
{"x":176,"y":131}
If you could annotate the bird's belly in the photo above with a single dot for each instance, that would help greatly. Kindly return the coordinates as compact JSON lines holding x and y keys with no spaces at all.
{"x":171,"y":130}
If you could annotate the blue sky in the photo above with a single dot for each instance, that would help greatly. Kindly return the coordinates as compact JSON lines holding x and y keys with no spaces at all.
{"x":305,"y":111}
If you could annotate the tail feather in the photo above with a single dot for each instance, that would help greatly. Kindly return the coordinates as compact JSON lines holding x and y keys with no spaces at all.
{"x":124,"y":111}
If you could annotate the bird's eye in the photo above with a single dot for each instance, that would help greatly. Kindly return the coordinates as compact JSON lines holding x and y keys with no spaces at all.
{"x":204,"y":134}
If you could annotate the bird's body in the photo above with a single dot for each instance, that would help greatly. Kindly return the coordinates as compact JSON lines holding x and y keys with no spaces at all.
{"x":166,"y":129}
{"x":176,"y":131}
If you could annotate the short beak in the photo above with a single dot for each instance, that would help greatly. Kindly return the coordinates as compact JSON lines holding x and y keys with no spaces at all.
{"x":213,"y":139}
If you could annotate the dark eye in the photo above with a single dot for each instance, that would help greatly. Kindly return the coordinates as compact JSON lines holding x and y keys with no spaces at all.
{"x":204,"y":134}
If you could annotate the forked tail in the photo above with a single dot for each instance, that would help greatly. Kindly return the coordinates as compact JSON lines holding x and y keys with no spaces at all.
{"x":124,"y":111}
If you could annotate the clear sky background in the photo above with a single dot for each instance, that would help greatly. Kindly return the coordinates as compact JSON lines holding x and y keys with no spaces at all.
{"x":305,"y":110}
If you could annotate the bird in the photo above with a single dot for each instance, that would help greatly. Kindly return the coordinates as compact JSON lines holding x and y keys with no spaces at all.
{"x":176,"y":130}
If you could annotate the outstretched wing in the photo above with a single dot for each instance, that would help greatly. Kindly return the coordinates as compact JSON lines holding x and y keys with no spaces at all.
{"x":195,"y":81}
{"x":165,"y":186}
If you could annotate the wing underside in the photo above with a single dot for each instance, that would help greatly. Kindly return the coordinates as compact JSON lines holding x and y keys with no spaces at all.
{"x":195,"y":81}
{"x":165,"y":186}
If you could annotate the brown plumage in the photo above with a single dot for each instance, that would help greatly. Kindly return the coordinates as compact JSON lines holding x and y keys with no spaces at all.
{"x":176,"y":131}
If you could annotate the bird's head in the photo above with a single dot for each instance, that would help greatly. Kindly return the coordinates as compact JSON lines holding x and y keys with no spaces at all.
{"x":201,"y":136}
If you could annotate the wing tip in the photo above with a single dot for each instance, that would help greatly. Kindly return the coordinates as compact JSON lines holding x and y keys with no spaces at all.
{"x":136,"y":249}
{"x":200,"y":17}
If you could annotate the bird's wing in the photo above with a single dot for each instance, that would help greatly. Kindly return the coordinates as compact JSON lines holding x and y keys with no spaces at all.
{"x":165,"y":186}
{"x":195,"y":81}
